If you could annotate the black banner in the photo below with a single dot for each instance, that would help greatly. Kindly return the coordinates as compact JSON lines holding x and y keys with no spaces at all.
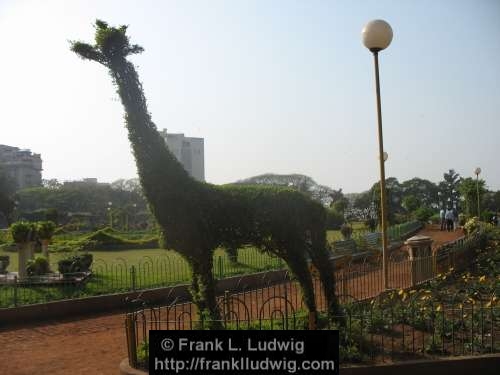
{"x":244,"y":352}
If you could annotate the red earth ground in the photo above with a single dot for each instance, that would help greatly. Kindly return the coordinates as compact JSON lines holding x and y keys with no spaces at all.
{"x":93,"y":345}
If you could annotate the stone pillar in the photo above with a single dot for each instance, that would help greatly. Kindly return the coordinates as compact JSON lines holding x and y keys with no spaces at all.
{"x":45,"y":249}
{"x":26,"y":252}
{"x":421,"y":259}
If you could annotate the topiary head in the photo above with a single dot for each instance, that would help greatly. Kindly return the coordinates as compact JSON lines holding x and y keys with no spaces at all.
{"x":111,"y":44}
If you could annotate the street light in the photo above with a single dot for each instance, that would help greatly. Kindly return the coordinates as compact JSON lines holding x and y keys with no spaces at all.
{"x":377,"y":35}
{"x":477,"y":171}
{"x":110,"y":204}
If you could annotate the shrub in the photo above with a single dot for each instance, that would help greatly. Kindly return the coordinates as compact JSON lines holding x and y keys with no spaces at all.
{"x":334,"y":219}
{"x":423,"y":214}
{"x":371,"y":224}
{"x":108,"y":239}
{"x":4,"y":263}
{"x":346,"y":231}
{"x":76,"y":263}
{"x":462,"y":219}
{"x":435,"y":219}
{"x":471,"y":225}
{"x":23,"y":231}
{"x":38,"y":266}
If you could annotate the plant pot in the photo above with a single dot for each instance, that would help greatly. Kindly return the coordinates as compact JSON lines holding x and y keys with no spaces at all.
{"x":4,"y":263}
{"x":25,"y":253}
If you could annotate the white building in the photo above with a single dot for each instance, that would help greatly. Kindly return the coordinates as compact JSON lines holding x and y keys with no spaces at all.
{"x":23,"y":167}
{"x":189,"y":151}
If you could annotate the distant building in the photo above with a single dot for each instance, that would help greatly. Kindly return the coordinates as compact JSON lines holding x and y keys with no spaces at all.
{"x":92,"y":181}
{"x":24,"y":167}
{"x":189,"y":151}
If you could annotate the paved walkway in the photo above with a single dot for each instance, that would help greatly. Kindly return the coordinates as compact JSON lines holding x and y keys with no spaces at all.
{"x":94,"y":345}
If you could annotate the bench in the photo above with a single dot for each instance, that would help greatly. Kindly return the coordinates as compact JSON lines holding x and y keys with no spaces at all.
{"x":374,"y":240}
{"x":349,"y":247}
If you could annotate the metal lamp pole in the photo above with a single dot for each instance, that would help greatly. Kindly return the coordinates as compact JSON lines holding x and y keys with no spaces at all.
{"x":477,"y":171}
{"x":377,"y":35}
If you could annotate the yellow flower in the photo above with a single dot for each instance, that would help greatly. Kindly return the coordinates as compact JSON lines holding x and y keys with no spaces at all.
{"x":401,"y":291}
{"x":482,"y":279}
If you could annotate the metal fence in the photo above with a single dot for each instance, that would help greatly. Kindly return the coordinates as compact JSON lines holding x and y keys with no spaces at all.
{"x":378,"y":329}
{"x":120,"y":276}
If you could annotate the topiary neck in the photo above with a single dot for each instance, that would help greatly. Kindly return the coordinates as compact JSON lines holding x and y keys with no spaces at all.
{"x":158,"y":168}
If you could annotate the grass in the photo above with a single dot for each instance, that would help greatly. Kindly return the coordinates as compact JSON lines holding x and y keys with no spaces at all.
{"x":124,"y":270}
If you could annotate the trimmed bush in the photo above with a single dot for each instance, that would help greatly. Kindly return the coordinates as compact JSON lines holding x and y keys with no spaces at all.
{"x":38,"y":266}
{"x":371,"y":224}
{"x":346,"y":231}
{"x":76,"y":263}
{"x":423,"y":214}
{"x":46,"y":229}
{"x":334,"y":219}
{"x":4,"y":263}
{"x":104,"y":240}
{"x":23,"y":231}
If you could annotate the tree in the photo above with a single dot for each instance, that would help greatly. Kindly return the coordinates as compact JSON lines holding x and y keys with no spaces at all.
{"x":7,"y":201}
{"x":411,"y":203}
{"x":394,"y":196}
{"x":449,"y":189}
{"x":468,"y":189}
{"x":425,"y":191}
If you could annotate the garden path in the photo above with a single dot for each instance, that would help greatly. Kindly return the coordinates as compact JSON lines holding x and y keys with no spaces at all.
{"x":93,"y":345}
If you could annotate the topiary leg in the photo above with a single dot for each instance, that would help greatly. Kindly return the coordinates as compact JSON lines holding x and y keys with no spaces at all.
{"x":204,"y":295}
{"x":298,"y":265}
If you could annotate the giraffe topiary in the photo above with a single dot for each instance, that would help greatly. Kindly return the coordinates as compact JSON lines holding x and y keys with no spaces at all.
{"x":196,"y":217}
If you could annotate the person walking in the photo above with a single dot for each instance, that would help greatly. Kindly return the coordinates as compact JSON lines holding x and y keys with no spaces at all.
{"x":449,"y":219}
{"x":455,"y":218}
{"x":443,"y":220}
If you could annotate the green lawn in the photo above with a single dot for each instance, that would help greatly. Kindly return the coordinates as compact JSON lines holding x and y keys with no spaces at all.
{"x":124,"y":270}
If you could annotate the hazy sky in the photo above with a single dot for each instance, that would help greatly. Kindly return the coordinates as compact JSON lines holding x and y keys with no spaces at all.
{"x":272,"y":86}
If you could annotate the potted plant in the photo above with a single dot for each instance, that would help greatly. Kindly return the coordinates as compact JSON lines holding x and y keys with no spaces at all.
{"x":24,"y":235}
{"x":38,"y":266}
{"x":45,"y":232}
{"x":4,"y":263}
{"x":346,"y":231}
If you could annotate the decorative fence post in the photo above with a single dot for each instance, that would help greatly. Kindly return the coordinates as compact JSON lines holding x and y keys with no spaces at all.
{"x":227,"y":307}
{"x":131,"y":340}
{"x":221,"y":269}
{"x":133,"y":278}
{"x":15,"y":291}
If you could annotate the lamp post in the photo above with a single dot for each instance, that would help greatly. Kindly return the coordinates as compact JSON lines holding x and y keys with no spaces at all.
{"x":110,"y":205}
{"x":477,"y":171}
{"x":377,"y":35}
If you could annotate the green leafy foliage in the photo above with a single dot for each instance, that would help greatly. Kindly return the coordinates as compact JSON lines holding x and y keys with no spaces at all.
{"x":346,"y":231}
{"x":334,"y":219}
{"x":423,"y":214}
{"x":38,"y":266}
{"x":23,"y":231}
{"x":45,"y":229}
{"x":4,"y":263}
{"x":195,"y":218}
{"x":75,"y":263}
